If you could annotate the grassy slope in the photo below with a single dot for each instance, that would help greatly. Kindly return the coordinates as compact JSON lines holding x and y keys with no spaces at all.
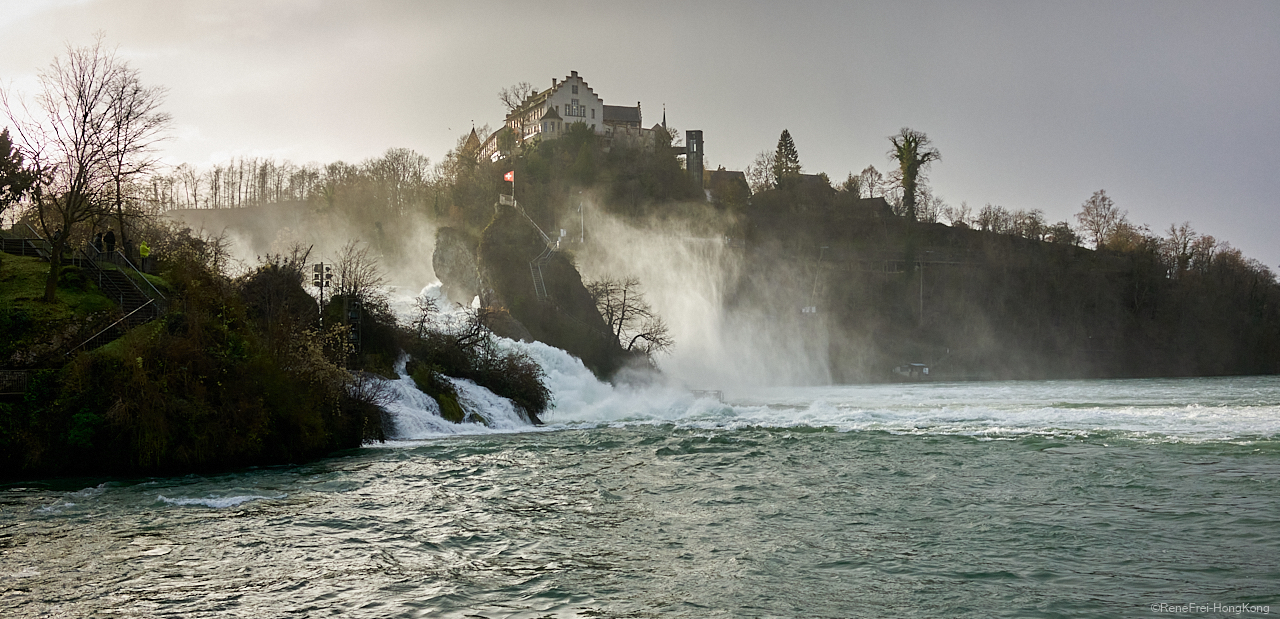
{"x":22,"y":281}
{"x":30,"y":328}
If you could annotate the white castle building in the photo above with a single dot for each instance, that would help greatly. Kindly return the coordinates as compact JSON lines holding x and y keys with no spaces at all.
{"x":546,"y":115}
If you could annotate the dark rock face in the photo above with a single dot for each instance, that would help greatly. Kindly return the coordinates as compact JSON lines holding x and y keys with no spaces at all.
{"x":567,"y":318}
{"x":454,"y":261}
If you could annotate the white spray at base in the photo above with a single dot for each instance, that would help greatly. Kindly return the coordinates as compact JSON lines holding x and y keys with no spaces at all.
{"x":579,"y":400}
{"x":1232,"y":408}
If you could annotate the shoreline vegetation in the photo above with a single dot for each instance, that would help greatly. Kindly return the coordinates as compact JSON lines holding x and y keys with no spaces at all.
{"x":243,"y":365}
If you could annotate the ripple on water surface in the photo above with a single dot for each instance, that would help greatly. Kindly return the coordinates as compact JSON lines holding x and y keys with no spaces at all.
{"x":713,"y":514}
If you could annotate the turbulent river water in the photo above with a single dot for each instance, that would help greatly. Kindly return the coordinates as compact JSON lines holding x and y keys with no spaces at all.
{"x":1046,"y":499}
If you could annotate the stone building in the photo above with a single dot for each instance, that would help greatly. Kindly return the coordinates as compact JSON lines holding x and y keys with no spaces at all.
{"x":545,"y":114}
{"x":548,"y":114}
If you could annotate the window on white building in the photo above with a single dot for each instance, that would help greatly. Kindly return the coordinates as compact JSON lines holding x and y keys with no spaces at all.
{"x":575,"y":89}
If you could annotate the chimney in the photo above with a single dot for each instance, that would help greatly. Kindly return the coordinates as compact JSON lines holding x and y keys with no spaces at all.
{"x":573,"y":74}
{"x":553,"y":82}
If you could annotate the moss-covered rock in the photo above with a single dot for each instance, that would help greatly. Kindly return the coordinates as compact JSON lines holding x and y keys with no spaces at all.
{"x":434,"y":384}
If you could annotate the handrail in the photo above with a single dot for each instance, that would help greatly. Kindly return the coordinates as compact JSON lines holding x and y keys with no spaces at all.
{"x":545,"y":239}
{"x":39,"y":238}
{"x":93,"y":260}
{"x":144,"y":278}
{"x":110,"y":327}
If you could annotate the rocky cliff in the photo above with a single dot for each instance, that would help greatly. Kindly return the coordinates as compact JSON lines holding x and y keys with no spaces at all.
{"x":565,"y":318}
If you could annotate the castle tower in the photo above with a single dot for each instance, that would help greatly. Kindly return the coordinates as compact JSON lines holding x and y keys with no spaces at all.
{"x":693,"y":155}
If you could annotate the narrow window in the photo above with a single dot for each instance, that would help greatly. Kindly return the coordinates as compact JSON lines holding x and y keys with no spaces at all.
{"x":575,"y":89}
{"x":593,"y":112}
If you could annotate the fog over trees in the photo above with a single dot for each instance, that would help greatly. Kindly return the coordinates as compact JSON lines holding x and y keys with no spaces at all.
{"x":890,"y":217}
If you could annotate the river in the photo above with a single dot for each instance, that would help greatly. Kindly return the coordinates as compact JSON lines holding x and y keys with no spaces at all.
{"x":1048,"y":499}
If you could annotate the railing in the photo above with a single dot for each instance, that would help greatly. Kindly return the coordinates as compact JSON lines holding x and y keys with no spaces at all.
{"x":36,"y":240}
{"x":113,"y":325}
{"x":535,"y":268}
{"x":13,"y":382}
{"x":715,"y":394}
{"x":118,"y":258}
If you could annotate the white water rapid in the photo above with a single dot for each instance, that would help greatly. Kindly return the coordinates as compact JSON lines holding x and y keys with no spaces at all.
{"x":1231,"y":408}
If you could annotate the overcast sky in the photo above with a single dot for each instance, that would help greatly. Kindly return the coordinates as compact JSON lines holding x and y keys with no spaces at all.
{"x":1171,"y":106}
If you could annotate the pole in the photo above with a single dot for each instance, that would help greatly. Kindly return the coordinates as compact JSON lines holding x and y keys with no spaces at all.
{"x":921,"y":294}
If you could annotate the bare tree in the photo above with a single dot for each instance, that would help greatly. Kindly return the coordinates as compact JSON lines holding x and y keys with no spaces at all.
{"x":630,"y":317}
{"x":512,"y":96}
{"x":1099,"y":217}
{"x":358,"y":272}
{"x":760,"y":172}
{"x":1030,"y":224}
{"x":136,"y":126}
{"x":931,"y":206}
{"x":994,"y":218}
{"x":871,"y":182}
{"x":68,"y":146}
{"x":959,"y":216}
{"x":1177,"y":247}
{"x":914,"y":152}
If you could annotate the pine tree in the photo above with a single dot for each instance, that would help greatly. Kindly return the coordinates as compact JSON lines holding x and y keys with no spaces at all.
{"x":15,"y":178}
{"x":786,"y":162}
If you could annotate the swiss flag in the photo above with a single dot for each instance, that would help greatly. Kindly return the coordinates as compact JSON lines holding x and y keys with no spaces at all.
{"x":509,"y":176}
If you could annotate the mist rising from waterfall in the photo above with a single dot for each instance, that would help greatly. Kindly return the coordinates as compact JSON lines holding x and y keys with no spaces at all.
{"x":727,"y":335}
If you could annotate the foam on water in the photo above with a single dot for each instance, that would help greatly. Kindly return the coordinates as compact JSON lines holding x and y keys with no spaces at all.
{"x":1246,"y":408}
{"x":1212,"y":409}
{"x":217,"y":502}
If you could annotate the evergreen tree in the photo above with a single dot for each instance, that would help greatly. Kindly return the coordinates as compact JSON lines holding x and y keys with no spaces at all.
{"x":15,"y":178}
{"x":786,"y":162}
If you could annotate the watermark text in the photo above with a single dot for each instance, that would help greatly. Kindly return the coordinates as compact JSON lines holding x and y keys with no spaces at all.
{"x":1216,"y":607}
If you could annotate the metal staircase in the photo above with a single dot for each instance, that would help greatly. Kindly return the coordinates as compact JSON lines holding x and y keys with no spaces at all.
{"x":117,"y":278}
{"x":139,"y":304}
{"x":535,"y":269}
{"x":535,"y":265}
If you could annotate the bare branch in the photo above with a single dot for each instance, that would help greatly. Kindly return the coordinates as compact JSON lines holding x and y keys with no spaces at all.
{"x":515,"y":94}
{"x":631,"y":320}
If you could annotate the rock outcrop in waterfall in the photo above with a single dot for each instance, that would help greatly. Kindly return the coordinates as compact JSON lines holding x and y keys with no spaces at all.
{"x":537,"y":293}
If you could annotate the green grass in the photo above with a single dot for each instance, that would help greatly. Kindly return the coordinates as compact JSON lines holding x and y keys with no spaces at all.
{"x":22,"y":280}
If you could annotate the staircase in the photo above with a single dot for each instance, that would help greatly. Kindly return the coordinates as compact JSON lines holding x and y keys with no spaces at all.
{"x":138,"y":304}
{"x":535,"y":269}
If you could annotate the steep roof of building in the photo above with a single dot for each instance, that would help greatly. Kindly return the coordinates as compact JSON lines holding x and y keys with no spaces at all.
{"x":622,"y":113}
{"x":551,"y":114}
{"x":473,"y":141}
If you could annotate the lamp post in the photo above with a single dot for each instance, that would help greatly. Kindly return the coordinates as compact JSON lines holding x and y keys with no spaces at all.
{"x":321,"y":277}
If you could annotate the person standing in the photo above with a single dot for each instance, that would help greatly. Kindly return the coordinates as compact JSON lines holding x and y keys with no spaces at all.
{"x":144,"y":251}
{"x":110,"y":239}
